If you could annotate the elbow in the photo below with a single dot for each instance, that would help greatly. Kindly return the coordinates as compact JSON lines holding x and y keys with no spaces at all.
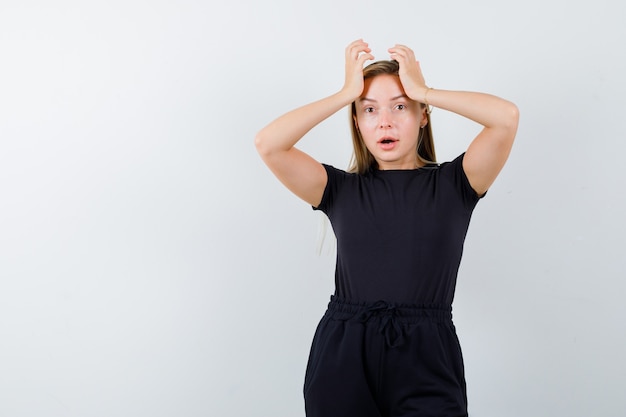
{"x":260,"y":143}
{"x":267,"y":144}
{"x":505,"y":124}
{"x":511,"y":116}
{"x":511,"y":121}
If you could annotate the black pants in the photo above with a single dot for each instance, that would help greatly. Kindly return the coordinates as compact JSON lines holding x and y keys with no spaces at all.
{"x":385,"y":360}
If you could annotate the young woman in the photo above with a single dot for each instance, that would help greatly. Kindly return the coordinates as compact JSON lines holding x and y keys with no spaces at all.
{"x":387,"y":345}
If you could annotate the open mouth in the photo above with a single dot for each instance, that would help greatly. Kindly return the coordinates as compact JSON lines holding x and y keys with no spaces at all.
{"x":387,"y":141}
{"x":387,"y":144}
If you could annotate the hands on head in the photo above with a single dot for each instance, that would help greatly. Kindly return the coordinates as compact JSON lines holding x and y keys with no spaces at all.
{"x":358,"y":53}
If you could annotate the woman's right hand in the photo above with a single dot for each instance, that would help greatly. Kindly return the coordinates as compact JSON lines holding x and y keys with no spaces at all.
{"x":356,"y":54}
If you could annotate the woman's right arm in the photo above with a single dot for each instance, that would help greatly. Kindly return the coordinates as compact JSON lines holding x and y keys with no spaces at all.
{"x":299,"y":172}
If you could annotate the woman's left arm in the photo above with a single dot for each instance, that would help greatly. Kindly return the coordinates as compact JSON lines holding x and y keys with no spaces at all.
{"x":490,"y":149}
{"x":488,"y":152}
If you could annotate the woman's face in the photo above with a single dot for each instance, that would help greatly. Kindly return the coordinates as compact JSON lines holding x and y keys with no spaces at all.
{"x":389,"y":122}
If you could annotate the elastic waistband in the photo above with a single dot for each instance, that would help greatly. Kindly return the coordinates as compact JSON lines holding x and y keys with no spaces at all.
{"x":341,"y":308}
{"x":391,"y":318}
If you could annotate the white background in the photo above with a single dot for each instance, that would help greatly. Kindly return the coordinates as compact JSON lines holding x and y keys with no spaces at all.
{"x":150,"y":265}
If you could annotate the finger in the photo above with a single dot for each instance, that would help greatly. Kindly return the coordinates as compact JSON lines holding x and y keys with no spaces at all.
{"x":402,"y":51}
{"x":365,"y":57}
{"x":402,"y":48}
{"x":355,"y":48}
{"x":402,"y":59}
{"x":397,"y":54}
{"x":353,"y":44}
{"x":357,"y":54}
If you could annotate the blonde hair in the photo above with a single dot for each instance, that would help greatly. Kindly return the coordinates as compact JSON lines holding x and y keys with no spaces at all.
{"x":362,"y":160}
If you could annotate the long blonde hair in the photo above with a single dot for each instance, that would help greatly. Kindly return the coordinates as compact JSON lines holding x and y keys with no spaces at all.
{"x":362,"y":160}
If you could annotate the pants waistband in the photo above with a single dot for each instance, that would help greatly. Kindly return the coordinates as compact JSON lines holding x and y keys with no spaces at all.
{"x":403,"y":312}
{"x":390,"y":316}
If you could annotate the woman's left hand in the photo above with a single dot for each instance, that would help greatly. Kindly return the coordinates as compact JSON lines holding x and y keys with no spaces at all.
{"x":410,"y":72}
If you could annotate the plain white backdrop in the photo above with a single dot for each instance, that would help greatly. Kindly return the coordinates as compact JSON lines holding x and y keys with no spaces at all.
{"x":150,"y":265}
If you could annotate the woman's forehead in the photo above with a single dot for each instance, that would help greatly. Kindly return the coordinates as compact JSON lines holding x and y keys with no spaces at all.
{"x":382,"y":88}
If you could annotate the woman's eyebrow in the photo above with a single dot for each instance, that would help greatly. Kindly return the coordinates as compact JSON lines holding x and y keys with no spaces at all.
{"x":392,"y":99}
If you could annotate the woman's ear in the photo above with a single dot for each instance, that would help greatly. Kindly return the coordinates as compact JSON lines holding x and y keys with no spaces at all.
{"x":424,"y":118}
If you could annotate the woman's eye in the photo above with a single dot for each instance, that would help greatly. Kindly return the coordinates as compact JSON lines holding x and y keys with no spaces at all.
{"x":401,"y":107}
{"x":369,"y":110}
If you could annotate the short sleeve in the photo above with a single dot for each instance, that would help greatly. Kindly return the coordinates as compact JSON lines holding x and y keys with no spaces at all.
{"x":335,"y":179}
{"x":454,"y":170}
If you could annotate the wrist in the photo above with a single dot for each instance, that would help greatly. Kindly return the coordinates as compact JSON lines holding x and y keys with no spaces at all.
{"x":425,"y":100}
{"x":346,"y":96}
{"x":425,"y":92}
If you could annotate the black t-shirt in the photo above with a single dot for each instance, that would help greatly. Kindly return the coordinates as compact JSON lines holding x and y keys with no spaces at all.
{"x":400,"y":233}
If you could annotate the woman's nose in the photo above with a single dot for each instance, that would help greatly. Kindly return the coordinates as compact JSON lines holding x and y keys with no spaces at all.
{"x":384,"y":118}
